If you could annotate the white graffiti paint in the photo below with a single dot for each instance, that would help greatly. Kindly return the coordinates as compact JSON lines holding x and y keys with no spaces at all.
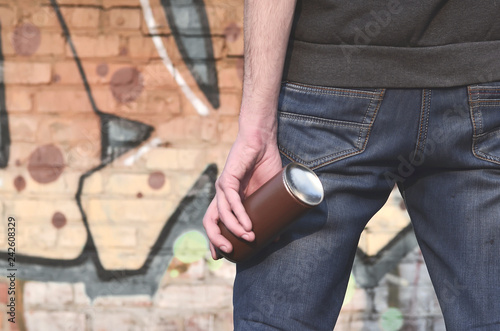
{"x":141,"y":151}
{"x":200,"y":107}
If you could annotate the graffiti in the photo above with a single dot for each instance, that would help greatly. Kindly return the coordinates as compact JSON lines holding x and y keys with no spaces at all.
{"x":119,"y":207}
{"x":204,"y":72}
{"x":100,"y":282}
{"x":189,"y":24}
{"x":4,"y":120}
{"x":369,"y":270}
{"x":118,"y":134}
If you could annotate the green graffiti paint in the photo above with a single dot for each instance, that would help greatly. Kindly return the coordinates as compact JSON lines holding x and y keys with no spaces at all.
{"x":391,"y":320}
{"x":351,"y":288}
{"x":190,"y":247}
{"x":214,"y":264}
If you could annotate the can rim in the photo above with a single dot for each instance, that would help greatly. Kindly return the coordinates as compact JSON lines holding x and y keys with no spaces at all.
{"x":303,"y":184}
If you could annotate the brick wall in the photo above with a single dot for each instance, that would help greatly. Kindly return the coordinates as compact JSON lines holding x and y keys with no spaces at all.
{"x":116,"y":116}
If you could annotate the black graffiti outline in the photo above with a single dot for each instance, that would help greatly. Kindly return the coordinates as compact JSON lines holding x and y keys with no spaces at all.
{"x":202,"y":36}
{"x":4,"y":117}
{"x":369,"y":270}
{"x":82,"y":267}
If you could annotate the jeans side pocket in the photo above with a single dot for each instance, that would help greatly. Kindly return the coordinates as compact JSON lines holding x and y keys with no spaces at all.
{"x":484,"y":101}
{"x":321,"y":125}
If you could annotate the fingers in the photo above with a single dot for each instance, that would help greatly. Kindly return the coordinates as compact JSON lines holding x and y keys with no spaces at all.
{"x":216,"y":239}
{"x":232,"y":213}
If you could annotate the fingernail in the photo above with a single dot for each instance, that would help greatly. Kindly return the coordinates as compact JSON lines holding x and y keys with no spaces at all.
{"x":246,"y":237}
{"x":224,"y":249}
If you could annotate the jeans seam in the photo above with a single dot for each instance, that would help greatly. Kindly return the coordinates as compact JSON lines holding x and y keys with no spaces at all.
{"x":477,"y":125}
{"x":313,"y":119}
{"x":331,"y":91}
{"x":424,"y":121}
{"x":370,"y":125}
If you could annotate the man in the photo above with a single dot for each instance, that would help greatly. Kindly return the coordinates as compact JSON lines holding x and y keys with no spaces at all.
{"x":375,"y":94}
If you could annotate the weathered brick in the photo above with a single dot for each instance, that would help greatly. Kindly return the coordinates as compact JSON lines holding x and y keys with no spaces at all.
{"x":130,"y":319}
{"x":127,"y":210}
{"x":51,"y":44}
{"x":7,"y":17}
{"x":228,"y":129}
{"x":163,"y":322}
{"x":95,"y":46}
{"x":199,"y":322}
{"x":35,"y":294}
{"x":163,"y":158}
{"x":130,"y":184}
{"x":123,"y":301}
{"x":116,"y":3}
{"x":73,"y":100}
{"x":161,"y":26}
{"x":229,"y":78}
{"x":209,"y":129}
{"x":196,"y":297}
{"x":160,"y":102}
{"x":81,"y":17}
{"x":27,"y":73}
{"x":124,"y":18}
{"x":224,"y":321}
{"x":156,"y":75}
{"x":19,"y":100}
{"x":236,"y":47}
{"x":38,"y":237}
{"x":80,"y":296}
{"x":59,"y":294}
{"x":114,"y":235}
{"x":55,"y":321}
{"x":45,"y":17}
{"x":229,"y":104}
{"x":66,"y":72}
{"x":71,"y":239}
{"x":123,"y":258}
{"x":93,"y":184}
{"x":142,"y":48}
{"x":23,"y":128}
{"x":181,"y":129}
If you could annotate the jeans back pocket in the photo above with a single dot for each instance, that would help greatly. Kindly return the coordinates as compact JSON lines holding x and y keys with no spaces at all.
{"x":320,"y":125}
{"x":484,"y":101}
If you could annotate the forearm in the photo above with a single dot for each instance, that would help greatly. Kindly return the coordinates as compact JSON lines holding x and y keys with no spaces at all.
{"x":267,"y":28}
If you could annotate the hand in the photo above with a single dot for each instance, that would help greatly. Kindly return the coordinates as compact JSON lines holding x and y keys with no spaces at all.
{"x":252,"y":161}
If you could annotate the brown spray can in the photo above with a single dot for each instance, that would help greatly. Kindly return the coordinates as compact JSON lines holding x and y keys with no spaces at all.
{"x":273,"y":207}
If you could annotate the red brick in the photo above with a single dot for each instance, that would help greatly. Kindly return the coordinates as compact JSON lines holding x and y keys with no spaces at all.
{"x":115,"y":3}
{"x":229,"y":78}
{"x":142,"y":47}
{"x":161,"y":26}
{"x":23,"y":127}
{"x":164,"y":102}
{"x":124,"y":18}
{"x":27,"y":73}
{"x":7,"y":17}
{"x":19,"y":100}
{"x":107,"y":45}
{"x":156,"y":74}
{"x":51,"y":44}
{"x":228,"y":129}
{"x":63,"y":100}
{"x":45,"y":17}
{"x":79,"y":17}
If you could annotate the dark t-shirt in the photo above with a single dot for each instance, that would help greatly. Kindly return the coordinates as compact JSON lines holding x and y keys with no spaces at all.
{"x":394,"y":43}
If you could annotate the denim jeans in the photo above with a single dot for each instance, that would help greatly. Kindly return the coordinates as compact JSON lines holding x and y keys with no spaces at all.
{"x":441,"y":147}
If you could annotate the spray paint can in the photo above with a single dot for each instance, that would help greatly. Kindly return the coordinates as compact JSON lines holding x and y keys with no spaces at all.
{"x":273,"y":207}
